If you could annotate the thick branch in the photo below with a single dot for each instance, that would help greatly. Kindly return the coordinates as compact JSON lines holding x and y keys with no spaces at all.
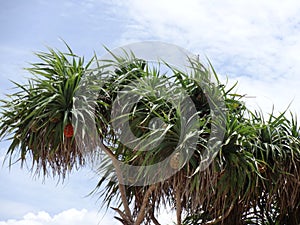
{"x":141,"y":214}
{"x":121,"y":182}
{"x":178,"y":205}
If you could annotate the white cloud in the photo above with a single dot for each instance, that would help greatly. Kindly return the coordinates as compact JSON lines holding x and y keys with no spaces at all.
{"x":70,"y":216}
{"x":256,"y":43}
{"x":78,"y":217}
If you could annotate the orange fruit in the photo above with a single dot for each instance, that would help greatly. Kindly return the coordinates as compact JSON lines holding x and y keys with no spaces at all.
{"x":69,"y":130}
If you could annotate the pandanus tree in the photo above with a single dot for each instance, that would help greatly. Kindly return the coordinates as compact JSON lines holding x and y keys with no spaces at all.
{"x":125,"y":116}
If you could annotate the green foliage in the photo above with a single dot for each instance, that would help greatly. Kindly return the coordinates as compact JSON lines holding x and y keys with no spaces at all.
{"x":34,"y":117}
{"x":254,"y":178}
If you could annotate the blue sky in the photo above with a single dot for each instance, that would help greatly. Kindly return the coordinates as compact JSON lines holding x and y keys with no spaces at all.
{"x":255,"y":43}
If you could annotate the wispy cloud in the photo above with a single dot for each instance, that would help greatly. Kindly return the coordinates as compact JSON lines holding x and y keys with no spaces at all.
{"x":256,"y":43}
{"x":226,"y":29}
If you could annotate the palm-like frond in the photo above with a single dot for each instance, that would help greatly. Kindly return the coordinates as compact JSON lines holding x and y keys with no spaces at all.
{"x":35,"y":117}
{"x":253,"y":179}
